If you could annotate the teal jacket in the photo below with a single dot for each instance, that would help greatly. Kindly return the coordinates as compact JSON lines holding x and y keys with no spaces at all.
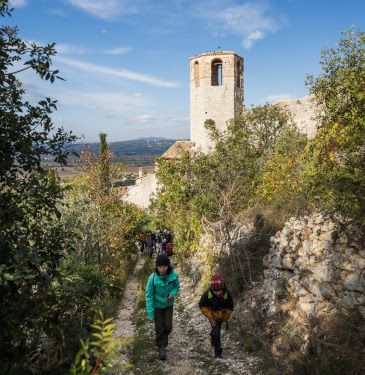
{"x":155,"y":294}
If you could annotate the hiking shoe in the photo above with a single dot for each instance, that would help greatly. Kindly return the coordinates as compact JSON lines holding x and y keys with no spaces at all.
{"x":218,"y":355}
{"x":162,"y":353}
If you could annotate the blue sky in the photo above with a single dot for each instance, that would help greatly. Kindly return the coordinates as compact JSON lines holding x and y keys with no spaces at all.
{"x":126,"y":63}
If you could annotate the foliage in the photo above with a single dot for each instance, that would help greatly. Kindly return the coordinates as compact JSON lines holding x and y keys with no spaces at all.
{"x":282,"y":180}
{"x":117,"y":223}
{"x":96,"y":356}
{"x":336,"y":155}
{"x":242,"y":266}
{"x":172,"y":204}
{"x":199,"y":190}
{"x":79,"y":215}
{"x":32,"y":240}
{"x":51,"y":282}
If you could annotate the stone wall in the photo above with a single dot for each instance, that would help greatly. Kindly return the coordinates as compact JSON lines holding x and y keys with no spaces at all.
{"x":140,"y":193}
{"x":317,"y":262}
{"x":303,"y":111}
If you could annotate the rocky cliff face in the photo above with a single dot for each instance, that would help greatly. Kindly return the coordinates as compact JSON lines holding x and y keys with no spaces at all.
{"x":317,"y":262}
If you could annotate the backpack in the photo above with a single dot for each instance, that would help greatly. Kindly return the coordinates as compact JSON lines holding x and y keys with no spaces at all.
{"x":169,"y":249}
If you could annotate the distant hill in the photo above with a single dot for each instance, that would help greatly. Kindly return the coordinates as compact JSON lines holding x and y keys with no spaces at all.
{"x":142,"y":151}
{"x":150,"y":139}
{"x":141,"y":146}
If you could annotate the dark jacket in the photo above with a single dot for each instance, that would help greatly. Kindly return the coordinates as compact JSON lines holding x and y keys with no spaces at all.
{"x":158,"y":237}
{"x":216,"y":308}
{"x":149,"y":240}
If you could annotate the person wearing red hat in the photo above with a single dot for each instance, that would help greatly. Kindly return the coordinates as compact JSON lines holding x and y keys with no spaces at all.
{"x":217,"y":305}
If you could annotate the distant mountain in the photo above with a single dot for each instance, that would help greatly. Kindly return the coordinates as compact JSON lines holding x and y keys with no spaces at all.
{"x":149,"y":139}
{"x":141,"y":146}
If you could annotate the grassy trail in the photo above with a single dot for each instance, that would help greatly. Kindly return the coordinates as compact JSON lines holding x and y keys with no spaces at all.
{"x":189,"y":351}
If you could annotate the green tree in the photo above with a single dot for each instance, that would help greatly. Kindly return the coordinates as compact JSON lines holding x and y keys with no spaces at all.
{"x":31,"y":240}
{"x":208,"y":188}
{"x":282,"y":183}
{"x":336,"y":155}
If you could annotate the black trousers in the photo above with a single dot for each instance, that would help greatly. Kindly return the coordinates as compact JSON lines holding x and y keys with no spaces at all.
{"x":215,"y":338}
{"x":163,"y":324}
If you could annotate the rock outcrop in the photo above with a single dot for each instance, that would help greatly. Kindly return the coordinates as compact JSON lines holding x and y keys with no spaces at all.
{"x":317,"y":262}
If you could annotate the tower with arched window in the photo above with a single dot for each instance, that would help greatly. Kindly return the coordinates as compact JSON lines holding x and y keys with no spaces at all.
{"x":216,"y":92}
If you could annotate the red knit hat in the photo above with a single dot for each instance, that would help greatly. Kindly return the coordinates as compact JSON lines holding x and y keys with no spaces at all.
{"x":216,"y":282}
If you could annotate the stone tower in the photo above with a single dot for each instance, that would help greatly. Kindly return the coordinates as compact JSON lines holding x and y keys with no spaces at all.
{"x":216,"y":92}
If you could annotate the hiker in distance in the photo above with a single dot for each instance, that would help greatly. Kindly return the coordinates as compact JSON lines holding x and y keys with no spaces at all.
{"x":217,"y":305}
{"x":162,"y":287}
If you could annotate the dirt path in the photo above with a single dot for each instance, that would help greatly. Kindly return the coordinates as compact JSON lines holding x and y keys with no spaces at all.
{"x":189,"y":351}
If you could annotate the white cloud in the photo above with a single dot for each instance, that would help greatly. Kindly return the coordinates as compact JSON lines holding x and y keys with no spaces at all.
{"x":150,"y":119}
{"x":250,"y":39}
{"x":249,"y":21}
{"x":142,"y":119}
{"x":18,"y":3}
{"x":33,"y":92}
{"x":276,"y":97}
{"x":67,"y":49}
{"x":185,"y":119}
{"x":137,"y":94}
{"x":113,"y":103}
{"x":88,"y":67}
{"x":56,"y":12}
{"x":106,"y":9}
{"x":118,"y":50}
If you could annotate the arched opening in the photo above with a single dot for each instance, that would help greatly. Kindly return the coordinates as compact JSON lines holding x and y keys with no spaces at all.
{"x":239,"y":74}
{"x":196,"y":74}
{"x":217,"y":76}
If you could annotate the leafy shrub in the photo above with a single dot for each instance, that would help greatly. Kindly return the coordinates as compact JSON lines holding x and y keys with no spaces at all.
{"x":336,"y":155}
{"x":99,"y":354}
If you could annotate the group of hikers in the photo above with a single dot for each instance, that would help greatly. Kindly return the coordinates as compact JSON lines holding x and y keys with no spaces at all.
{"x":160,"y":241}
{"x":216,"y":304}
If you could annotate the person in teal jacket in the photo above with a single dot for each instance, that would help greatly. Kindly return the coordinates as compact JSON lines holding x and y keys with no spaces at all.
{"x":162,"y":287}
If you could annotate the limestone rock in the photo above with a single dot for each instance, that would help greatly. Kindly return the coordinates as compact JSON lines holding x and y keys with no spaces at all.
{"x":319,"y":261}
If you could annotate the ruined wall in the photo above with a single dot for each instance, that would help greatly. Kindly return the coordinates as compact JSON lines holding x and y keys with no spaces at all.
{"x":317,"y":262}
{"x":207,"y":101}
{"x":140,"y":193}
{"x":303,"y":111}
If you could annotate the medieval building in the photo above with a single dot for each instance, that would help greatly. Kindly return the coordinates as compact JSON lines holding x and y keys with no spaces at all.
{"x":217,"y":93}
